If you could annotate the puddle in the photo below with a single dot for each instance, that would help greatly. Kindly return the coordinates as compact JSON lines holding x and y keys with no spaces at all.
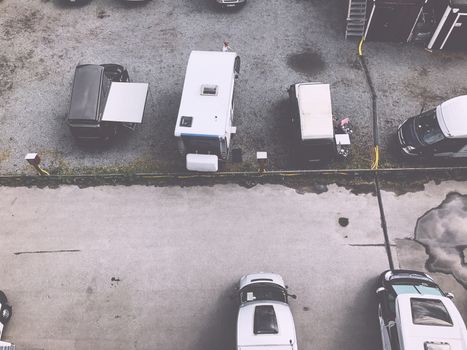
{"x":443,"y":233}
{"x":308,"y":62}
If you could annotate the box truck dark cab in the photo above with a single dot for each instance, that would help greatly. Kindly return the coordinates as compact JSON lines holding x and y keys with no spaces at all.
{"x":440,"y":132}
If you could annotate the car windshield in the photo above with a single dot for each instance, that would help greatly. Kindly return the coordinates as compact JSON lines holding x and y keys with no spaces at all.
{"x":263,"y":291}
{"x":420,"y":288}
{"x":427,"y":128}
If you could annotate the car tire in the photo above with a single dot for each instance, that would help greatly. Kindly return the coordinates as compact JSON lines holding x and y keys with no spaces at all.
{"x":6,"y":314}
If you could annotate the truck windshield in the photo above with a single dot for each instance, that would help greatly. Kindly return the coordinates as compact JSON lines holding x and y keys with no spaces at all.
{"x":263,"y":291}
{"x":427,"y":128}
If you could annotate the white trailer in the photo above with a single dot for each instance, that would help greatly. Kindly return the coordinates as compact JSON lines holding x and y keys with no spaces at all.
{"x":204,"y":122}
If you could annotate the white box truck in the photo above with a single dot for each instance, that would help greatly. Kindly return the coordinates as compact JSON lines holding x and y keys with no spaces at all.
{"x":204,"y":122}
{"x":312,"y":121}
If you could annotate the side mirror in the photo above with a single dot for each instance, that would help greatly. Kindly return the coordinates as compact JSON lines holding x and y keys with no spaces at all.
{"x":293,"y":296}
{"x":380,"y":290}
{"x":450,"y":295}
{"x":380,"y":293}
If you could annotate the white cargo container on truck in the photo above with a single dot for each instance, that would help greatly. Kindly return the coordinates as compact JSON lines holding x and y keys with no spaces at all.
{"x":204,"y":122}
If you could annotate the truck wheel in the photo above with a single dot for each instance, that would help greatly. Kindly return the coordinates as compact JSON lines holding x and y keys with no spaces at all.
{"x":6,"y":314}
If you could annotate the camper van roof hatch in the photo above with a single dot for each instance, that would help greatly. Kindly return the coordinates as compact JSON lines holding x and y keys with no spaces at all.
{"x":209,"y":90}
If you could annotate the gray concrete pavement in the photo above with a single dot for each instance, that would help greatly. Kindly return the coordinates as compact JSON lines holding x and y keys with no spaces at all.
{"x":280,"y":42}
{"x":144,"y":267}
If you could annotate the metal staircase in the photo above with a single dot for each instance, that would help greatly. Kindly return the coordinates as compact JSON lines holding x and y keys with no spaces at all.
{"x":356,"y":18}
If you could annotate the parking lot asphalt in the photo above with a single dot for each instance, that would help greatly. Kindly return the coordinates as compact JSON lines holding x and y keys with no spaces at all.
{"x":145,"y":267}
{"x":280,"y":43}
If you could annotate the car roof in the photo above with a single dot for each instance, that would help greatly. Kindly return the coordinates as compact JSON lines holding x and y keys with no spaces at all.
{"x":245,"y":325}
{"x":452,"y":117}
{"x":85,"y":93}
{"x":210,"y":113}
{"x":414,"y":336}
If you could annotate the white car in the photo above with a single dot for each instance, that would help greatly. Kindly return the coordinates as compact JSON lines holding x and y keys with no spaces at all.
{"x":415,"y":314}
{"x":264,"y":318}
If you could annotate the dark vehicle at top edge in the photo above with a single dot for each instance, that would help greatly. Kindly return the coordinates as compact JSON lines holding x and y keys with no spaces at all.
{"x":230,"y":3}
{"x":79,"y":2}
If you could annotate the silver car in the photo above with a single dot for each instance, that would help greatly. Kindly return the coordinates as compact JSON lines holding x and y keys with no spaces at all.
{"x":231,"y":3}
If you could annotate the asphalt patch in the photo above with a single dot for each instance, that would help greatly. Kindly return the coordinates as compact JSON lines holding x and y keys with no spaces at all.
{"x":443,"y":233}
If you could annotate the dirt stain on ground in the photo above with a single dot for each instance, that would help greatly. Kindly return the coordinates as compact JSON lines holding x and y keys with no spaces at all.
{"x":25,"y":22}
{"x":307,"y":62}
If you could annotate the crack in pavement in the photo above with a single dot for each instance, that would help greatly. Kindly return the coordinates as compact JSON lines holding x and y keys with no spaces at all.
{"x":370,"y":245}
{"x":49,"y":251}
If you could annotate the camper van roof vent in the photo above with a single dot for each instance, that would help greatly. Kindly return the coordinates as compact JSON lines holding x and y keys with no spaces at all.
{"x":209,"y":90}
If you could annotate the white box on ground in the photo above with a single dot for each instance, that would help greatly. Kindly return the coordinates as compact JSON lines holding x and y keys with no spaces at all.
{"x":342,"y":139}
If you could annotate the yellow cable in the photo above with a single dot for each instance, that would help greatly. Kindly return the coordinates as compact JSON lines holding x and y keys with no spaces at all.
{"x":43,"y":171}
{"x":375,"y":164}
{"x":360,"y":45}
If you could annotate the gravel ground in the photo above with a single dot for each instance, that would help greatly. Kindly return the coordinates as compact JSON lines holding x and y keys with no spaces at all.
{"x":280,"y":42}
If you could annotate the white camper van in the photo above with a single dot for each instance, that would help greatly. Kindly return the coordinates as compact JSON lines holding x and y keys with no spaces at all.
{"x":204,"y":122}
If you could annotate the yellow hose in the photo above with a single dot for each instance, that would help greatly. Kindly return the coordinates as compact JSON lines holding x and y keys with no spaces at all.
{"x":375,"y":164}
{"x":360,"y":46}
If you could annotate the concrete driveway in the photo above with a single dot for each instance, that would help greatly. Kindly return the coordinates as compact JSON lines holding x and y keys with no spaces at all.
{"x":145,"y":267}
